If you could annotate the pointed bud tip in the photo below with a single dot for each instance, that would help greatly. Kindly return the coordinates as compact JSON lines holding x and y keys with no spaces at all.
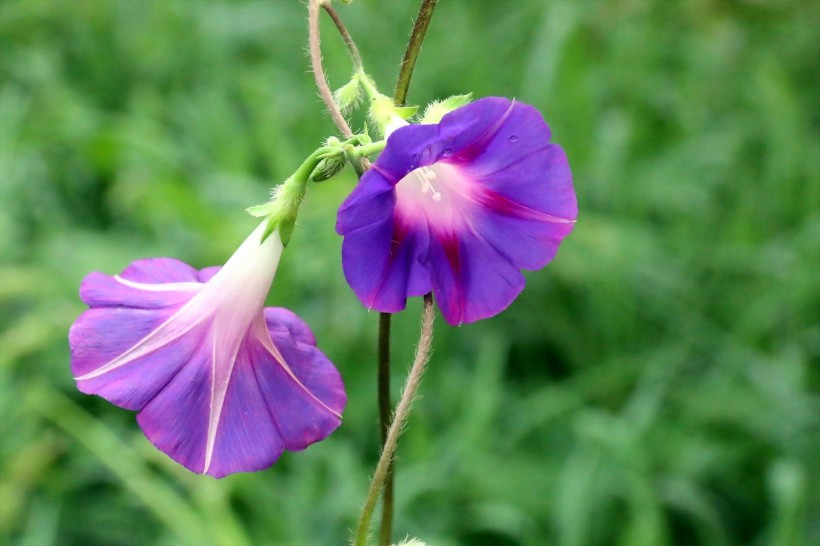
{"x":438,"y":109}
{"x":328,"y":167}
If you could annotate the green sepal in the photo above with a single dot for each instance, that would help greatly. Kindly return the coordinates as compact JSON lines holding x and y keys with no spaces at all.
{"x":328,"y":167}
{"x":285,"y":231}
{"x":411,"y":542}
{"x":438,"y":109}
{"x":260,"y":211}
{"x":406,"y":112}
{"x":381,"y":110}
{"x":348,"y":96}
{"x":282,"y":209}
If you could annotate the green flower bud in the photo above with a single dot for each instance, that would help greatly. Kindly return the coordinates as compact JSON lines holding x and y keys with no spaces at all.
{"x":437,"y":110}
{"x":328,"y":167}
{"x":348,"y":96}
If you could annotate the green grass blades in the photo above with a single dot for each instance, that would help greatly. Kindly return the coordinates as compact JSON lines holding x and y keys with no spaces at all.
{"x":656,"y":385}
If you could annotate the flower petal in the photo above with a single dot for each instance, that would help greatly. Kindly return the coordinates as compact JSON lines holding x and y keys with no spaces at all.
{"x":479,"y":196}
{"x":160,"y":271}
{"x":526,"y":242}
{"x":460,"y":135}
{"x":194,"y":352}
{"x":246,"y":437}
{"x":281,"y":394}
{"x":407,"y":148}
{"x":117,"y":353}
{"x":384,"y":264}
{"x":99,"y":290}
{"x":371,"y":202}
{"x":494,"y":129}
{"x":471,"y":280}
{"x":302,"y":418}
{"x":292,"y":336}
{"x":540,"y":181}
{"x":238,"y":435}
{"x":207,"y":273}
{"x":176,"y":419}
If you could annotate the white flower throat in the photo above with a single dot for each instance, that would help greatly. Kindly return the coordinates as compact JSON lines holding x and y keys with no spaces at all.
{"x":425,"y":176}
{"x":439,"y":195}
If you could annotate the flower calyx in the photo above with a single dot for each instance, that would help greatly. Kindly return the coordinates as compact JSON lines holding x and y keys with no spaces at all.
{"x":282,"y":209}
{"x":383,"y":112}
{"x":438,"y":109}
{"x":327,"y":161}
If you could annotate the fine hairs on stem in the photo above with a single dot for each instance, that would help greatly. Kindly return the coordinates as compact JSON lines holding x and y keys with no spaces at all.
{"x":348,"y":40}
{"x":399,"y":419}
{"x":383,"y":477}
{"x":408,"y":63}
{"x":315,"y":47}
{"x":399,"y":97}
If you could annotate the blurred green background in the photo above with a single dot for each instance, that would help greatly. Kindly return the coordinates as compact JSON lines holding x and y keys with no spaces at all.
{"x":657,"y":384}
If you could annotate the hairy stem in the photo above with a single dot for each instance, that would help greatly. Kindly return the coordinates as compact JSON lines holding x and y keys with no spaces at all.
{"x":399,"y":97}
{"x":399,"y":419}
{"x":315,"y":45}
{"x":348,"y":40}
{"x":408,"y":63}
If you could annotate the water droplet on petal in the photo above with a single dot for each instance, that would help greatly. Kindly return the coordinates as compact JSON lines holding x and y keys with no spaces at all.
{"x":447,"y":152}
{"x":513,"y":139}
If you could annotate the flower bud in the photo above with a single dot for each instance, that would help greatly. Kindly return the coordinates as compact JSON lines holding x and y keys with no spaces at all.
{"x":328,"y":167}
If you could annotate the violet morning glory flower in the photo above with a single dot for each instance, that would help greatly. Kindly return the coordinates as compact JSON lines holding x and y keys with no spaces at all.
{"x":458,"y":208}
{"x":221,"y":384}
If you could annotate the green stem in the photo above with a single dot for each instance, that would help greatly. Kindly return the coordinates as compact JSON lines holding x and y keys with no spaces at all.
{"x":386,"y":527}
{"x":370,"y":89}
{"x":408,"y":63}
{"x":355,"y":57}
{"x":399,"y":98}
{"x":283,"y":207}
{"x":367,"y":149}
{"x":304,"y":170}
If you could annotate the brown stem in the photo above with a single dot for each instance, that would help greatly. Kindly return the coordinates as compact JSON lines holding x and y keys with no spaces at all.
{"x":408,"y":63}
{"x":348,"y":40}
{"x":315,"y":45}
{"x":399,"y":419}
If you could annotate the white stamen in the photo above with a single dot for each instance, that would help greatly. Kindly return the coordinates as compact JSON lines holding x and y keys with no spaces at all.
{"x":425,"y":175}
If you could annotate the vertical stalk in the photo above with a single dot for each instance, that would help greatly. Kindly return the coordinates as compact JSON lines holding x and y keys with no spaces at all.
{"x":390,"y":431}
{"x":399,"y":420}
{"x":385,"y":405}
{"x":408,"y":63}
{"x":399,"y":97}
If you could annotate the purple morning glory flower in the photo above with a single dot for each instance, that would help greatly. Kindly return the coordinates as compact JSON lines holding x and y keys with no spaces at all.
{"x":221,"y":384}
{"x":458,"y":208}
